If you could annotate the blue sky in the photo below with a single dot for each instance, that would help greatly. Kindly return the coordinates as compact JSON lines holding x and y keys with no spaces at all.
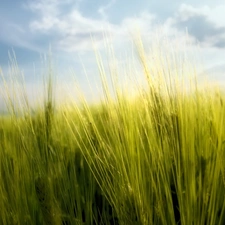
{"x":29,"y":27}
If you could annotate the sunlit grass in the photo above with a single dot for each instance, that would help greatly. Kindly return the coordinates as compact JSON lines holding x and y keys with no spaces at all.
{"x":157,"y":158}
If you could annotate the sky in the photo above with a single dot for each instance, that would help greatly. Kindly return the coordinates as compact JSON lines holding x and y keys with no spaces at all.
{"x":72,"y":29}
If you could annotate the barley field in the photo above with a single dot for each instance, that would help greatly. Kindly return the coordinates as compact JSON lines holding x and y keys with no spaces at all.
{"x":157,"y":158}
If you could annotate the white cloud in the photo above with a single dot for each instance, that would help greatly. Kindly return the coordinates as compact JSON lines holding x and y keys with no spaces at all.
{"x":16,"y":35}
{"x":185,"y":11}
{"x":74,"y":31}
{"x":214,"y":13}
{"x":217,"y":15}
{"x":47,"y":23}
{"x":51,"y":7}
{"x":201,"y":24}
{"x":70,"y":31}
{"x":104,"y":8}
{"x":144,"y":22}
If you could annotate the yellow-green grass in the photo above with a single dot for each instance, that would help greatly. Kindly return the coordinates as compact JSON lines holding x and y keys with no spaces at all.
{"x":157,"y":158}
